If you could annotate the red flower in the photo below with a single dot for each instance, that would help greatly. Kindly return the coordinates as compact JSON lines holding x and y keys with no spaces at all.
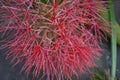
{"x":57,"y":38}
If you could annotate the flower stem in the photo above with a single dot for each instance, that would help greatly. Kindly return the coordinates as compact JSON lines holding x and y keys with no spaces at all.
{"x":113,"y":41}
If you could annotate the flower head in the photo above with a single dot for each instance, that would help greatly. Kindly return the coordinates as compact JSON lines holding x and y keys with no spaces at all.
{"x":59,"y":38}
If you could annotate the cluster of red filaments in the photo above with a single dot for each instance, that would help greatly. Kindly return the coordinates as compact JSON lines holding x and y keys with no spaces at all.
{"x":58,"y":38}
